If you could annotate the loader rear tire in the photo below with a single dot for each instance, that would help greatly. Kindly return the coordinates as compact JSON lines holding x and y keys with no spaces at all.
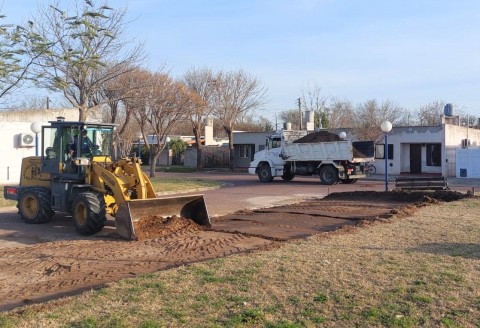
{"x":265,"y":173}
{"x":328,"y":175}
{"x":34,"y":205}
{"x":89,"y":213}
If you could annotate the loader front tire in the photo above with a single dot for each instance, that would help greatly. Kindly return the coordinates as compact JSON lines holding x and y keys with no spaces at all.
{"x":89,"y":213}
{"x":34,"y":205}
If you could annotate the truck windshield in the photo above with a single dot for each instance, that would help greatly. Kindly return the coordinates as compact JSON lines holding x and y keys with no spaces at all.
{"x":273,"y":143}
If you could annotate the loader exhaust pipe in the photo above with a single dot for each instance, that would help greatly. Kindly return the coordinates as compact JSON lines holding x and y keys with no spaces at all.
{"x":188,"y":207}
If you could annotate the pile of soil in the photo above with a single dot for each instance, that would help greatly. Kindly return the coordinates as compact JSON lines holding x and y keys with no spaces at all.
{"x":320,"y":136}
{"x":399,"y":196}
{"x":152,"y":226}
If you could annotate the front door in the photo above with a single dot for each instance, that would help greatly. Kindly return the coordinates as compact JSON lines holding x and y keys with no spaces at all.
{"x":415,"y":158}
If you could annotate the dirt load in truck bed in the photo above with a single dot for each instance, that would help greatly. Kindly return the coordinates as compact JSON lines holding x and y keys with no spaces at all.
{"x":49,"y":270}
{"x":320,"y":136}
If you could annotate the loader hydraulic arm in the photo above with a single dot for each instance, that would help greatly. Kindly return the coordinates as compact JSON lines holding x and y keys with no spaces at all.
{"x":120,"y":181}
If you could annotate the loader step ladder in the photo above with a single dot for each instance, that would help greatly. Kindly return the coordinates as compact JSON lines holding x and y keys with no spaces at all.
{"x":421,"y":183}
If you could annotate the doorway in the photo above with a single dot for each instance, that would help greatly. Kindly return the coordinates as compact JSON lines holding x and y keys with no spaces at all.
{"x":415,"y":158}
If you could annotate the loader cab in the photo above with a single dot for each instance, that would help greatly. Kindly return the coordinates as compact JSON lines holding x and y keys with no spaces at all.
{"x":64,"y":142}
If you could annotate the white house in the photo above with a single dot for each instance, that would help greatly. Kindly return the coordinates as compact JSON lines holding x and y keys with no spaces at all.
{"x":428,"y":150}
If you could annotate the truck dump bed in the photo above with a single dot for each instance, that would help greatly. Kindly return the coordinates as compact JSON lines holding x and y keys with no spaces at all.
{"x":319,"y":151}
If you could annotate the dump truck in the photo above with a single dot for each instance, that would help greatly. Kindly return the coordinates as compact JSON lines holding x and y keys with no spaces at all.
{"x":321,"y":154}
{"x":77,"y":173}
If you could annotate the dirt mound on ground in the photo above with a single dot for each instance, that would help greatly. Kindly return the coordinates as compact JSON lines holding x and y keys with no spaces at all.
{"x":153,"y":226}
{"x":400,"y":195}
{"x":321,"y":136}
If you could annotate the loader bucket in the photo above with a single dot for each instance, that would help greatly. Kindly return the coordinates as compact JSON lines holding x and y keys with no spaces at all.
{"x":188,"y":207}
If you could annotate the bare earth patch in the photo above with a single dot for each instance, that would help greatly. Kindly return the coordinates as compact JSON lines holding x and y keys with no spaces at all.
{"x":49,"y":270}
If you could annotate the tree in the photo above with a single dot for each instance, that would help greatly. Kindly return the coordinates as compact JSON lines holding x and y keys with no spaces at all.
{"x":313,"y":100}
{"x":251,"y":124}
{"x":162,"y":106}
{"x":340,"y":113}
{"x":236,"y":94}
{"x":178,"y":147}
{"x":120,"y":96}
{"x":430,"y":114}
{"x":291,"y":116}
{"x":19,"y":48}
{"x":199,"y":82}
{"x":370,"y":115}
{"x":86,"y":50}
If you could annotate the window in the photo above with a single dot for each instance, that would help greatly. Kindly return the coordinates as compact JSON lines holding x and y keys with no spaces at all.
{"x":244,"y":151}
{"x":434,"y":154}
{"x":380,"y":151}
{"x":273,"y":143}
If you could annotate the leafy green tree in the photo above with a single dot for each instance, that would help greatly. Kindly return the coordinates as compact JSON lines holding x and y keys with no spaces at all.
{"x":19,"y":48}
{"x":86,"y":49}
{"x":178,"y":147}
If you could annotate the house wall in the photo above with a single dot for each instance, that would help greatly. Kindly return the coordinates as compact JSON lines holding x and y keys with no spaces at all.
{"x":449,"y":136}
{"x":401,"y":138}
{"x":12,"y":124}
{"x":453,"y":143}
{"x":252,"y":141}
{"x":468,"y":163}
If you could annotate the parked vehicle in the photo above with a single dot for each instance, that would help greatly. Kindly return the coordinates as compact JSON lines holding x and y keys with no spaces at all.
{"x":290,"y":153}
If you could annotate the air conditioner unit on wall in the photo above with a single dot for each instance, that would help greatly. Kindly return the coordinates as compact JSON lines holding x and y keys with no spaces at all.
{"x":26,"y":140}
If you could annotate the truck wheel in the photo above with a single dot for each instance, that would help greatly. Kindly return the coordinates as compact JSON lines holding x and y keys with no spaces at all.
{"x":89,"y":213}
{"x":349,"y":181}
{"x":265,"y":173}
{"x":34,"y":205}
{"x":328,"y":175}
{"x":288,"y":176}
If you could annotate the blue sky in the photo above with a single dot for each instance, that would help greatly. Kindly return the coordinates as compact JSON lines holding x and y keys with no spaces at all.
{"x":411,"y":52}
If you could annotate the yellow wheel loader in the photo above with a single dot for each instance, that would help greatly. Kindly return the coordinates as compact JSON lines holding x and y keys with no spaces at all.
{"x":76,"y":173}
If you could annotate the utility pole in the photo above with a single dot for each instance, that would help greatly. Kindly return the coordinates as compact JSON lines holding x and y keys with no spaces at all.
{"x":300,"y":111}
{"x":48,"y":103}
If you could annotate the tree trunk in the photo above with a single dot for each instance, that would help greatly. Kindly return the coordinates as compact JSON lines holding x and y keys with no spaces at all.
{"x":198,"y":145}
{"x":82,"y":113}
{"x":155,"y":153}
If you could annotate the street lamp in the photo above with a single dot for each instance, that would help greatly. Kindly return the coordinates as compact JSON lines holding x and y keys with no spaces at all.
{"x":167,"y":140}
{"x":386,"y":127}
{"x":36,"y":128}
